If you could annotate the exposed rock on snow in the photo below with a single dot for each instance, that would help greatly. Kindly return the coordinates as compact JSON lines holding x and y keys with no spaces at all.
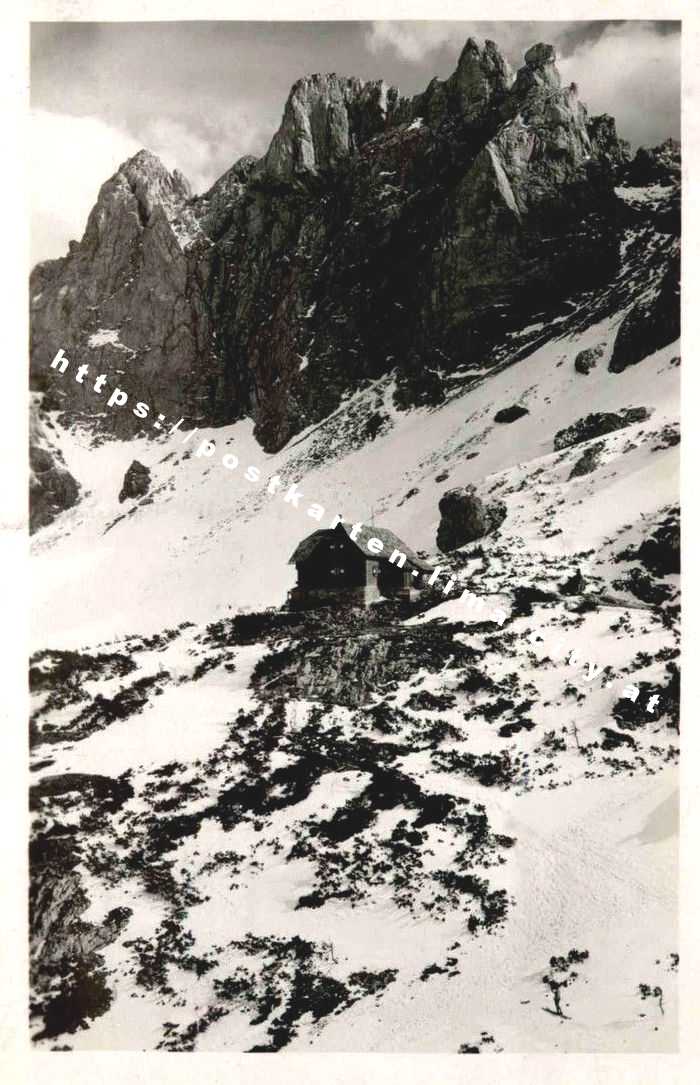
{"x":575,"y":585}
{"x":464,"y":516}
{"x":660,"y":551}
{"x":68,"y":976}
{"x":649,"y":325}
{"x":52,"y":488}
{"x":510,"y":414}
{"x":587,"y":359}
{"x":597,"y":424}
{"x":417,"y":386}
{"x":588,"y":461}
{"x":376,"y":808}
{"x":137,"y":481}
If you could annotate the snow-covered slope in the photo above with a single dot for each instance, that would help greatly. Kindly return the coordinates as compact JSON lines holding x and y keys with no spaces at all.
{"x":210,"y":541}
{"x":257,"y":831}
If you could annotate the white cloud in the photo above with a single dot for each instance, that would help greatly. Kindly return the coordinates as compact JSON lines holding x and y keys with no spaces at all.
{"x":206,"y":145}
{"x":70,"y":159}
{"x":178,"y":147}
{"x":414,"y":41}
{"x":632,"y":72}
{"x":411,"y":40}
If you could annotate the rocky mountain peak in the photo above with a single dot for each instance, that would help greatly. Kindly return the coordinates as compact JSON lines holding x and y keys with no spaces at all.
{"x":542,"y":103}
{"x":146,"y":170}
{"x":326,"y":117}
{"x":119,"y":295}
{"x":484,"y":55}
{"x":145,"y":182}
{"x":129,"y":201}
{"x":539,"y":75}
{"x":540,"y":56}
{"x":482,"y":78}
{"x":605,"y":140}
{"x":377,"y":233}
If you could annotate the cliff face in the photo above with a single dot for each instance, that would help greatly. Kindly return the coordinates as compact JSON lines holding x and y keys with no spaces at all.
{"x":52,"y":488}
{"x":327,"y":118}
{"x":377,"y":233}
{"x":127,"y":299}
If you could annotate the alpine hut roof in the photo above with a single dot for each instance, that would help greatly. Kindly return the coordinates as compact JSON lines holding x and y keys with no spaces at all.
{"x":391,"y":542}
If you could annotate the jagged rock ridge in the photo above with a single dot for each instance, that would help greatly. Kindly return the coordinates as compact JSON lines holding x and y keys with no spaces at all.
{"x":376,"y":233}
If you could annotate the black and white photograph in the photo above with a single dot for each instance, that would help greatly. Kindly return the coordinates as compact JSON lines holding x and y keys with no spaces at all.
{"x":354,"y":515}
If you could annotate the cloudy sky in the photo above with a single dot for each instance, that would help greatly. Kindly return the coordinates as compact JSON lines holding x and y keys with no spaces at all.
{"x":200,"y":95}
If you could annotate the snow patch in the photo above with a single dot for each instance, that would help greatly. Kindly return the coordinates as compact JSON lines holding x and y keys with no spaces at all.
{"x":105,"y":337}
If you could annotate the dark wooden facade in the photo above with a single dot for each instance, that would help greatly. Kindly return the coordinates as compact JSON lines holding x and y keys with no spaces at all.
{"x":334,"y":569}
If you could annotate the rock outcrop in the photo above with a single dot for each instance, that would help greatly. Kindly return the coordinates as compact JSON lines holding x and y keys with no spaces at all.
{"x":464,"y":517}
{"x":588,"y":461}
{"x":52,"y":488}
{"x":597,"y":424}
{"x":127,"y":300}
{"x":137,"y":481}
{"x":650,"y":324}
{"x":660,"y":551}
{"x":575,"y":585}
{"x":67,"y":972}
{"x":510,"y":414}
{"x":586,"y":360}
{"x":656,"y":165}
{"x":377,"y":233}
{"x":327,"y":118}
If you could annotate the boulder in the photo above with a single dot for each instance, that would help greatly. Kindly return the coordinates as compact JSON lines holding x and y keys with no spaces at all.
{"x":510,"y":414}
{"x":465,"y":517}
{"x":137,"y":481}
{"x":586,"y":360}
{"x":597,"y":424}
